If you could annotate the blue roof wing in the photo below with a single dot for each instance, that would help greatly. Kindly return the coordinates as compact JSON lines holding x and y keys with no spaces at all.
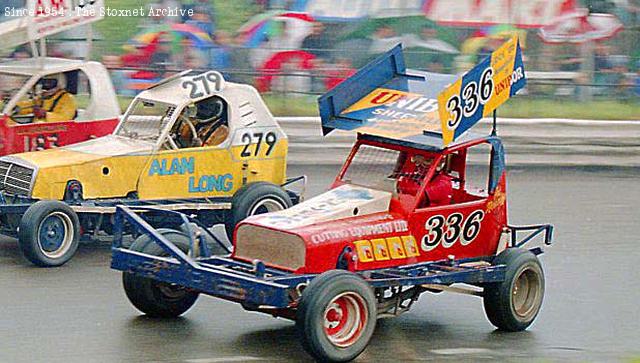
{"x":386,"y":99}
{"x":379,"y":71}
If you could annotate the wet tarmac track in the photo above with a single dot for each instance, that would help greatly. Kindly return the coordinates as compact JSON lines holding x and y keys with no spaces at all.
{"x":79,"y":313}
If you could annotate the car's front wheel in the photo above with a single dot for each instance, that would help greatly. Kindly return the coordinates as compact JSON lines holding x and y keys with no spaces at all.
{"x":256,"y":198}
{"x":336,"y":316}
{"x":48,"y":233}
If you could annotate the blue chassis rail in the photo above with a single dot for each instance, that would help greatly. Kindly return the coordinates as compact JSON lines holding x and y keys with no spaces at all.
{"x":16,"y":204}
{"x":255,"y":285}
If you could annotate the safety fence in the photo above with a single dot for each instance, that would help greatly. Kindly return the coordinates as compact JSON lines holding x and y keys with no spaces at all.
{"x":544,"y":142}
{"x":540,"y":84}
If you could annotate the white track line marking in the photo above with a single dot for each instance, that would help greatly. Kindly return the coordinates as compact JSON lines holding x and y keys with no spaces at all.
{"x":453,"y":351}
{"x":224,"y":359}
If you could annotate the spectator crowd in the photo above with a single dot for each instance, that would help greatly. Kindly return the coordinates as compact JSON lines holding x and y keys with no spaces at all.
{"x":295,"y":53}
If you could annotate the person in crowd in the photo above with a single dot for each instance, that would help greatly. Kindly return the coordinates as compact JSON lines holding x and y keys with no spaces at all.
{"x":603,"y":67}
{"x":341,"y":70}
{"x":202,"y":16}
{"x":172,"y":4}
{"x":570,"y":62}
{"x":317,"y":43}
{"x":220,"y":57}
{"x":161,"y":58}
{"x":119,"y":76}
{"x":636,"y":83}
{"x":623,"y":81}
{"x":384,"y":38}
{"x":155,"y":19}
{"x":435,"y":66}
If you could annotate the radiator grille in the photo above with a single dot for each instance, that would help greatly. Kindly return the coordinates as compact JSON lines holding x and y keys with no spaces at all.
{"x":272,"y":247}
{"x":15,"y":179}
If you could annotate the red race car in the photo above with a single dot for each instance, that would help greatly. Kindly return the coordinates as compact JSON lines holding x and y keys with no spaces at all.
{"x":80,"y":105}
{"x":47,"y":102}
{"x":410,"y":212}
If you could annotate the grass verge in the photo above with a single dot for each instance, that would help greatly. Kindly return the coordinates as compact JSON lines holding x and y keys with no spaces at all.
{"x":297,"y":105}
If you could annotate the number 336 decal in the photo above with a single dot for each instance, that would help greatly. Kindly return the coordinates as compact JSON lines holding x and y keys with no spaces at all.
{"x":473,"y":95}
{"x":448,"y":230}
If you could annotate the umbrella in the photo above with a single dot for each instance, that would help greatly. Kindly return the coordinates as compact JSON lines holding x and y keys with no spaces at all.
{"x":413,"y":41}
{"x":177,"y":32}
{"x":401,"y":25}
{"x":579,"y":27}
{"x":406,"y":29}
{"x":275,"y":63}
{"x":268,"y":25}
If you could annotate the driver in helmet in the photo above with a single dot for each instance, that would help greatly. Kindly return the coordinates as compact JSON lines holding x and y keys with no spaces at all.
{"x":439,"y":189}
{"x":207,"y":119}
{"x":53,"y":102}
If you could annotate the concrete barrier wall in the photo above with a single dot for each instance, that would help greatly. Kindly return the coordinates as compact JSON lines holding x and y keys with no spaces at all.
{"x":527,"y":142}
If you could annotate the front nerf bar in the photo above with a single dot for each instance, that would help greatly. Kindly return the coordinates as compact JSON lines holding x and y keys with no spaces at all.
{"x":217,"y":275}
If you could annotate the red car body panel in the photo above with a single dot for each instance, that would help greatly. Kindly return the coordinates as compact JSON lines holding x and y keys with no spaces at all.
{"x":470,"y":226}
{"x":18,"y":138}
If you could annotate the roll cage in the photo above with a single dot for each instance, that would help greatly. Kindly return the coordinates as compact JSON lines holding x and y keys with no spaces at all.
{"x":454,"y":157}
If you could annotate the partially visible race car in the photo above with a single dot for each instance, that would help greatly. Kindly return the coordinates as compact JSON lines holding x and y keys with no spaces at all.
{"x":192,"y":143}
{"x":21,"y":81}
{"x":407,"y":214}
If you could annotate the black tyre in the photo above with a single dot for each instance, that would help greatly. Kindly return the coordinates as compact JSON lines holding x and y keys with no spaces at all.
{"x":155,"y":298}
{"x":513,"y":304}
{"x":49,"y":233}
{"x":336,"y":316}
{"x":255,"y":198}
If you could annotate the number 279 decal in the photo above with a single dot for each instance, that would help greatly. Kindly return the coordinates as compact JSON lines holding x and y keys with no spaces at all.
{"x":257,"y":138}
{"x":448,"y":230}
{"x":204,"y":84}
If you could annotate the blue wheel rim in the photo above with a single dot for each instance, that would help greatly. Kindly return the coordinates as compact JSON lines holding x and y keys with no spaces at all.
{"x":55,"y":234}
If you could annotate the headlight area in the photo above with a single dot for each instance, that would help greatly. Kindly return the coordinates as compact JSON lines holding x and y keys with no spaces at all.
{"x":275,"y":248}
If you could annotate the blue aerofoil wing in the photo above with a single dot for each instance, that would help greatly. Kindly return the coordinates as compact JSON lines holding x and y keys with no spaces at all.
{"x":385,"y":99}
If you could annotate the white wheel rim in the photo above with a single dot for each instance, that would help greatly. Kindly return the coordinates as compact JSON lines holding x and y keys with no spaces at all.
{"x":51,"y":229}
{"x":266,"y":205}
{"x":345,"y":319}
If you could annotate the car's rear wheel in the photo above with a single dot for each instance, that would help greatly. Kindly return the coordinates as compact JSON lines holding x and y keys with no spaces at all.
{"x":48,"y":233}
{"x":336,"y":316}
{"x":156,"y":298}
{"x":513,"y":304}
{"x":256,"y":198}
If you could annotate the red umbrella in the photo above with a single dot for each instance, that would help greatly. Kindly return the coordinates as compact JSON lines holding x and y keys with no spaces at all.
{"x":273,"y":66}
{"x":579,"y":26}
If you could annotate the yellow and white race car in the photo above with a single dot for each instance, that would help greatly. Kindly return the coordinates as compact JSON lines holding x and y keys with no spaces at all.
{"x":193,"y":143}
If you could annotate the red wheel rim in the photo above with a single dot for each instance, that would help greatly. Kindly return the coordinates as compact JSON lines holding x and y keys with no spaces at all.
{"x":345,"y":319}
